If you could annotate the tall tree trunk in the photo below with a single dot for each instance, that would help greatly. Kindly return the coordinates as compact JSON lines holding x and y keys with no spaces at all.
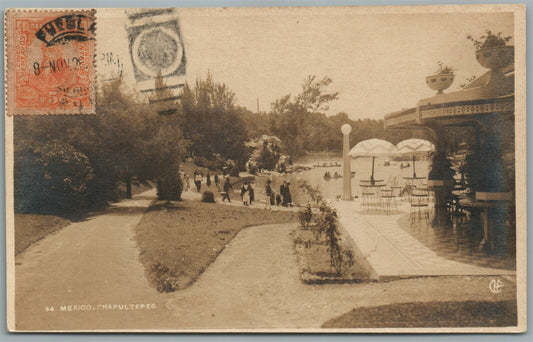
{"x":128,"y":187}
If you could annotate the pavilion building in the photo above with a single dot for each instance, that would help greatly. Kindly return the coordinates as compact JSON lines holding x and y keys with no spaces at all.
{"x":473,"y":133}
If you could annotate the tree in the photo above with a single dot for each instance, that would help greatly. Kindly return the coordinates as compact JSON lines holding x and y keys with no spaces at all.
{"x":66,"y":164}
{"x":165,"y":147}
{"x":145,"y":140}
{"x":313,"y":98}
{"x":51,"y":178}
{"x":124,"y":128}
{"x":295,"y":120}
{"x":212,"y":122}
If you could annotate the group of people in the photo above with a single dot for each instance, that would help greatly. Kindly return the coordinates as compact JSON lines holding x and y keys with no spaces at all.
{"x":328,"y":175}
{"x":247,"y":193}
{"x":283,"y":198}
{"x":198,"y":179}
{"x":247,"y":190}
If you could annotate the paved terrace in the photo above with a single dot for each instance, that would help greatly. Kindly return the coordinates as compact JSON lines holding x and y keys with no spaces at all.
{"x":392,"y":253}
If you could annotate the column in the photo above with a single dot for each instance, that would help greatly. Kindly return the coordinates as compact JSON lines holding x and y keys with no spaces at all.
{"x":441,"y":171}
{"x":347,"y":178}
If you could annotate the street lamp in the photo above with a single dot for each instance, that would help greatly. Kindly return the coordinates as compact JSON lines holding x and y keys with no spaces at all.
{"x":347,"y":179}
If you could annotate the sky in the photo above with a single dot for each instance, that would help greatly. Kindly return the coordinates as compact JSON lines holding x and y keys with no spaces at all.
{"x":377,"y":61}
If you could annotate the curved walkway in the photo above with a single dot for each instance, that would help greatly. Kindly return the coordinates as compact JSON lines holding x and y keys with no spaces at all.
{"x":93,"y":262}
{"x":253,"y":284}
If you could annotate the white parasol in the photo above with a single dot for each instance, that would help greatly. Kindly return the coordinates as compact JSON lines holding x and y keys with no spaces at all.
{"x":412,"y":146}
{"x":373,"y":148}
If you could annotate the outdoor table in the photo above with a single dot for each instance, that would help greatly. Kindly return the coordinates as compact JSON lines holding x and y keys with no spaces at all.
{"x":372,"y":185}
{"x":483,"y":208}
{"x":419,"y":203}
{"x":419,"y":196}
{"x":414,"y":179}
{"x":369,"y":192}
{"x":388,"y":197}
{"x":397,"y":190}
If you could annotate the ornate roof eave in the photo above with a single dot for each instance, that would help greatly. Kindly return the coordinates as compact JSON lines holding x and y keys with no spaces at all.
{"x":479,"y":97}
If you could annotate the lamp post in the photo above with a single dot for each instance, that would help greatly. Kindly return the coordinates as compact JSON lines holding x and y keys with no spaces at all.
{"x":347,"y":179}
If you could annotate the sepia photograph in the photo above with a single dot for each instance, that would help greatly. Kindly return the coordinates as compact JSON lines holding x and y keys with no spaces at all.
{"x":275,"y":169}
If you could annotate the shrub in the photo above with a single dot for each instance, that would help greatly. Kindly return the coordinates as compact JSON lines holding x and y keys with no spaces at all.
{"x":313,"y":192}
{"x":441,"y":168}
{"x":489,"y":39}
{"x":327,"y":226}
{"x":52,"y":179}
{"x":234,"y":171}
{"x":444,"y":69}
{"x":169,"y":187}
{"x":211,"y":164}
{"x":208,"y":197}
{"x":305,"y":215}
{"x":341,"y":259}
{"x":253,"y":169}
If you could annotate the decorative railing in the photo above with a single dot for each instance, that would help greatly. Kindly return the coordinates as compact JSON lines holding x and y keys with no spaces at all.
{"x":410,"y":117}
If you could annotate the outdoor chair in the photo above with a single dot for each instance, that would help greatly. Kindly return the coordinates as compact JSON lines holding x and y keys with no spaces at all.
{"x":368,"y":197}
{"x":396,"y":191}
{"x":467,"y":229}
{"x":419,"y":202}
{"x":388,"y":200}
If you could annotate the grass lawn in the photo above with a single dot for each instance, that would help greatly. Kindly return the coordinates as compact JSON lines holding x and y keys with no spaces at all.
{"x":430,"y":315}
{"x":30,"y":228}
{"x":178,"y":241}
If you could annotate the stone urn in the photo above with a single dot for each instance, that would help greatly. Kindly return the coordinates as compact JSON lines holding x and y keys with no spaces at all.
{"x":495,"y":57}
{"x":440,"y":82}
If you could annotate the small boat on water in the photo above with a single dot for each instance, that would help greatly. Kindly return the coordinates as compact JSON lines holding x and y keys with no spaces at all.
{"x":403,"y":166}
{"x":297,"y":168}
{"x":324,"y":164}
{"x":386,"y":163}
{"x":328,"y":176}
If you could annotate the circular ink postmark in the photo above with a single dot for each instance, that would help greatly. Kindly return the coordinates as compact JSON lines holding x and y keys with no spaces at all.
{"x":157,"y":50}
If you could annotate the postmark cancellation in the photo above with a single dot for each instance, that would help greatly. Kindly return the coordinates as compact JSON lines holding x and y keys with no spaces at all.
{"x":50,"y":66}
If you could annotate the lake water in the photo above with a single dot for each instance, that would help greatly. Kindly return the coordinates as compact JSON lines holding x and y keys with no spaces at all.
{"x":331,"y":188}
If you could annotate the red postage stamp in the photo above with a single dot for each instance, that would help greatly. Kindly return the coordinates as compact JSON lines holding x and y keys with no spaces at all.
{"x":50,"y":61}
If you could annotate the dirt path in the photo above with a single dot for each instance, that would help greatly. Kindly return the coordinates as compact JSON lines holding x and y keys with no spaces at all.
{"x":94,"y":262}
{"x":253,"y":284}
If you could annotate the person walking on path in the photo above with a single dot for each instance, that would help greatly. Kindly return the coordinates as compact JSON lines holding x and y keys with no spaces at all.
{"x":245,"y":194}
{"x":187,"y":181}
{"x":208,"y":180}
{"x":283,"y":192}
{"x":269,"y":195}
{"x":251,"y":192}
{"x":227,"y":187}
{"x":288,"y":197}
{"x":217,"y":181}
{"x":198,"y":181}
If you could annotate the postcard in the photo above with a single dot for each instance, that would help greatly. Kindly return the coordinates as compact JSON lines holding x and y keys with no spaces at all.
{"x":306,"y":169}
